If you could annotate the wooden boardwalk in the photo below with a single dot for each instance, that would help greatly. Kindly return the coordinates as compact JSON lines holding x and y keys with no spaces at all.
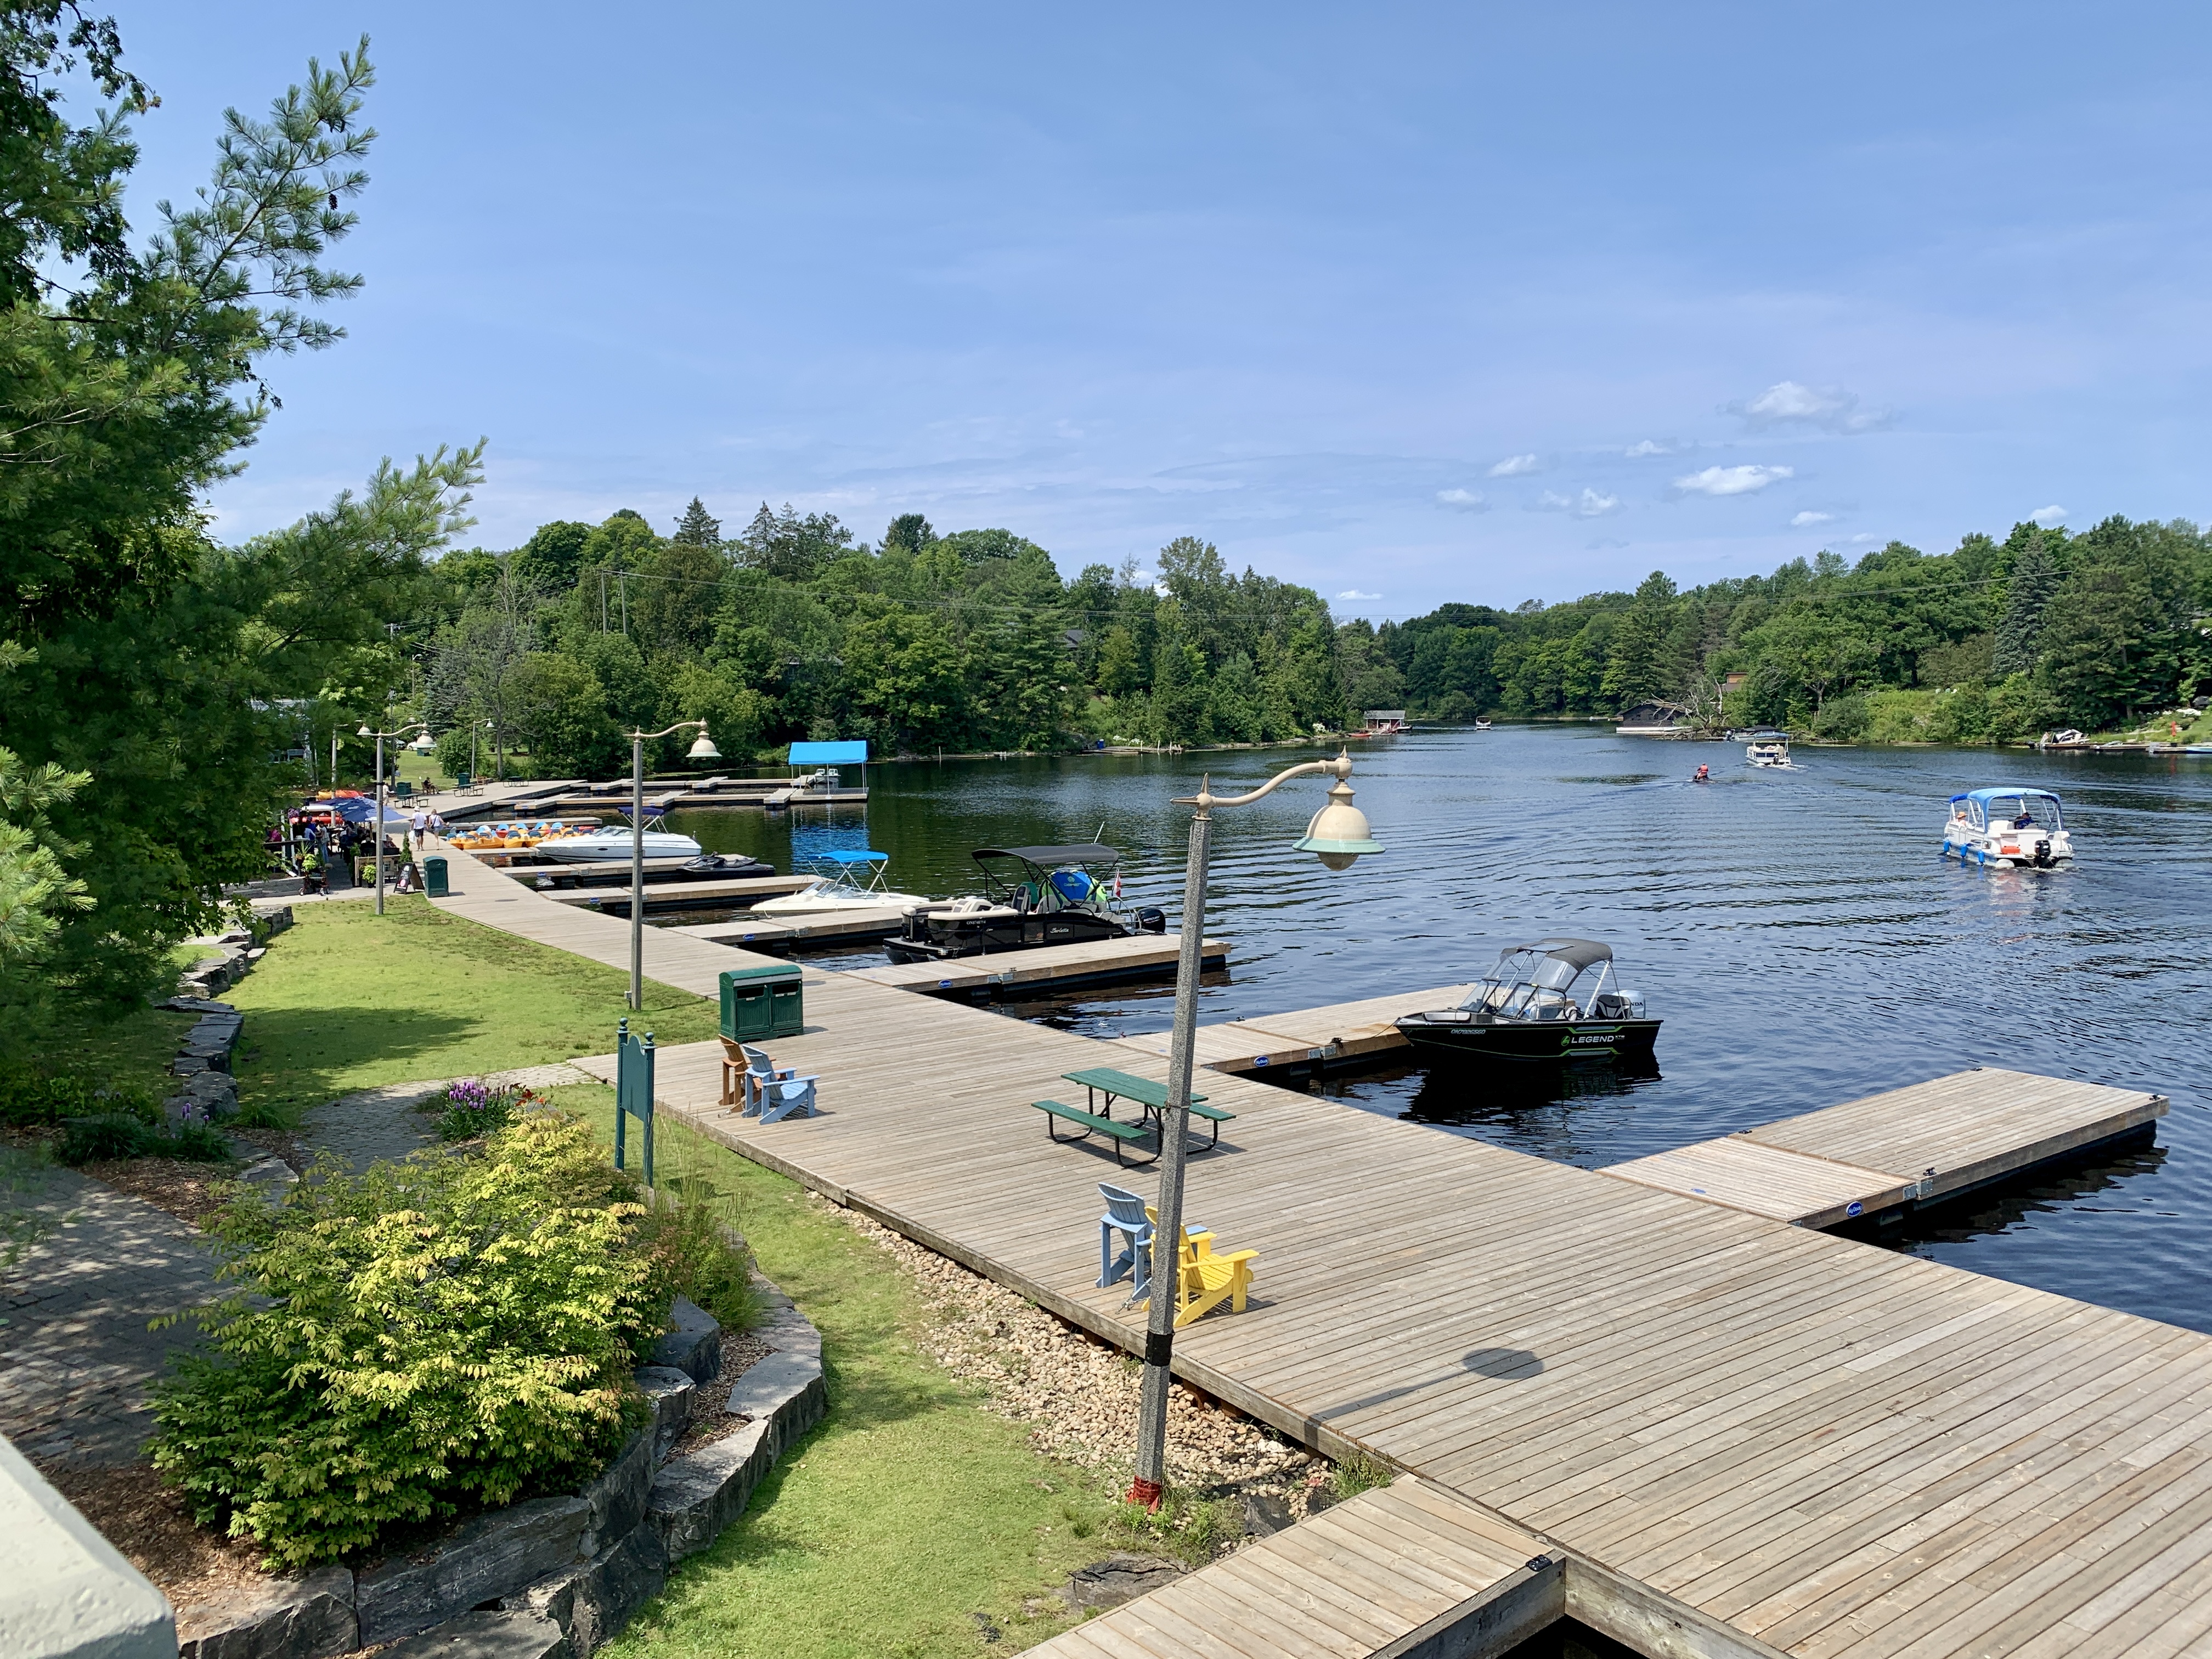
{"x":1379,"y":1573}
{"x":1049,"y":967}
{"x":783,"y":933}
{"x":1761,"y":1437}
{"x":1304,"y":1038}
{"x":1917,"y":1145}
{"x":684,"y":895}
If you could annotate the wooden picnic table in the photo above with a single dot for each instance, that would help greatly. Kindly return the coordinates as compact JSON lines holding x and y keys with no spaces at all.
{"x":1152,"y":1096}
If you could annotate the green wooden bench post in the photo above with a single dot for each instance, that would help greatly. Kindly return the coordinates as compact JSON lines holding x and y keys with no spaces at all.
{"x":633,"y":1093}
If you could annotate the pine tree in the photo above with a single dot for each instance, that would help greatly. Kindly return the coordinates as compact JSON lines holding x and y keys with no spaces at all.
{"x":2036,"y":577}
{"x":698,"y":527}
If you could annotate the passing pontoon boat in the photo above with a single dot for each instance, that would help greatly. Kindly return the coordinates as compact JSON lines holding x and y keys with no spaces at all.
{"x":1035,"y":896}
{"x":1769,"y":748}
{"x":1556,"y":1000}
{"x":2007,"y":828}
{"x":842,"y":881}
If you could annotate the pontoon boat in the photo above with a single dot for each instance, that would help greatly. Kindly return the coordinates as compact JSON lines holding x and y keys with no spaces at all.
{"x":1768,"y":748}
{"x":2006,"y":828}
{"x":1037,"y":895}
{"x":615,"y":842}
{"x":842,"y":881}
{"x":1535,"y":1004}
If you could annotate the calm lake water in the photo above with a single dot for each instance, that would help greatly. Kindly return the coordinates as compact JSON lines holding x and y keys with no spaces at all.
{"x":1797,"y":932}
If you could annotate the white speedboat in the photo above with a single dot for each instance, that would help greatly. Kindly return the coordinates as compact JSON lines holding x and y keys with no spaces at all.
{"x":2007,"y":828}
{"x":843,"y":881}
{"x":615,"y":842}
{"x":1769,"y":748}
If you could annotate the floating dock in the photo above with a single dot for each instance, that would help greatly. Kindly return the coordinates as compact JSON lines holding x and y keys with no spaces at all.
{"x":1306,"y":1042}
{"x":1738,"y":1437}
{"x":1046,"y":968}
{"x":684,"y":895}
{"x":751,"y":932}
{"x":1889,"y":1153}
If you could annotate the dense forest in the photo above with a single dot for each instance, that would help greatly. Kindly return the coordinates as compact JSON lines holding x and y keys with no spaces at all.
{"x":1999,"y":639}
{"x":921,"y":643}
{"x":972,"y":641}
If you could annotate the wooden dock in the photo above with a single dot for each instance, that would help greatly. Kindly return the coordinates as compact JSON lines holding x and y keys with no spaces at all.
{"x":1306,"y":1040}
{"x":685,"y":896}
{"x":1046,"y":968}
{"x":1740,"y":1436}
{"x":1382,"y":1573}
{"x":1891,"y":1153}
{"x":751,"y":932}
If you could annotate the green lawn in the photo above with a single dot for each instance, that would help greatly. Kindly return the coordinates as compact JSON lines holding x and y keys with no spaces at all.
{"x":347,"y":999}
{"x":908,"y":1512}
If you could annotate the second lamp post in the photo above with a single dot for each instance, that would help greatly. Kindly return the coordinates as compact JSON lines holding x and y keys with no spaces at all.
{"x":703,"y":748}
{"x":1339,"y":833}
{"x":421,"y":745}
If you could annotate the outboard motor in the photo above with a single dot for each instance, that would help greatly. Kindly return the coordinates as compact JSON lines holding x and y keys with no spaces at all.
{"x":1152,"y":920}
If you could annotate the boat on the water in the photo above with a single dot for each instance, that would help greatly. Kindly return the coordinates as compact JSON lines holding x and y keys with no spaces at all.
{"x":2008,"y":828}
{"x":1482,"y":723}
{"x":1769,"y":748}
{"x":843,"y":881}
{"x":1555,"y":1000}
{"x":1037,"y":895}
{"x":615,"y":842}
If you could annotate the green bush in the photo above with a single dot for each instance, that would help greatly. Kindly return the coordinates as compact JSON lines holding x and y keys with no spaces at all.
{"x":34,"y":1099}
{"x":454,"y":1331}
{"x":125,"y":1135}
{"x":1843,"y":720}
{"x":694,"y":1250}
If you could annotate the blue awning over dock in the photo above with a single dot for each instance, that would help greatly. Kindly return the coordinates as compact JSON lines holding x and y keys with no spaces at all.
{"x":829,"y":754}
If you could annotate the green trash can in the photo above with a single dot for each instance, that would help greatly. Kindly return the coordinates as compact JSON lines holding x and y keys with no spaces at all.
{"x":434,"y":878}
{"x":761,"y":1003}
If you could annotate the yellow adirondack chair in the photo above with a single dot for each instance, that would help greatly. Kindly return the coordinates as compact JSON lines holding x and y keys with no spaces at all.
{"x":1206,"y":1279}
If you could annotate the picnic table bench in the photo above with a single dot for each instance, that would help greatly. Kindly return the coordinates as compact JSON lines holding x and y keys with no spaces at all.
{"x":1154,"y":1096}
{"x":1121,"y":1134}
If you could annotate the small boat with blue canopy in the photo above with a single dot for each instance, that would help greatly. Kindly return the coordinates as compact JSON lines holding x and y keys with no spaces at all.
{"x":849,"y":880}
{"x":2010,"y":828}
{"x":1037,"y":895}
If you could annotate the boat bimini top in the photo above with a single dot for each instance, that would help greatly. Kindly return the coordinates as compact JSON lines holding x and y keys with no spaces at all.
{"x":1982,"y":807}
{"x":1045,"y":878}
{"x":1535,"y":983}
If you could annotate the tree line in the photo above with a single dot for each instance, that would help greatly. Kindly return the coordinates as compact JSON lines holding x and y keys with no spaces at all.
{"x":2005,"y":639}
{"x":794,"y":628}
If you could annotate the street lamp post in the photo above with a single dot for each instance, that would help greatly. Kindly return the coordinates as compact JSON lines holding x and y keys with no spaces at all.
{"x":702,"y":749}
{"x":421,"y":745}
{"x":1338,"y":834}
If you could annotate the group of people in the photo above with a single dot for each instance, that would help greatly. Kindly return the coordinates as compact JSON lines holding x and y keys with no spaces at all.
{"x":318,"y":845}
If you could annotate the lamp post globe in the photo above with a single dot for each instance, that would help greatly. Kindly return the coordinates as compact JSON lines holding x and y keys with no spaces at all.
{"x":1339,"y":833}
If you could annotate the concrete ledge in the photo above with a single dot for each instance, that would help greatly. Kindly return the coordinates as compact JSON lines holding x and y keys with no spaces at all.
{"x":68,"y":1593}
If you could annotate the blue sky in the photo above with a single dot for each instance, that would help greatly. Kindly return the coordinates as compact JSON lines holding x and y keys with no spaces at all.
{"x":1408,"y":303}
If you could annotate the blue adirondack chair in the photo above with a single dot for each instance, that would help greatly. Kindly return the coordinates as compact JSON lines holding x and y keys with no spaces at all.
{"x":1125,"y":1219}
{"x":773,"y":1093}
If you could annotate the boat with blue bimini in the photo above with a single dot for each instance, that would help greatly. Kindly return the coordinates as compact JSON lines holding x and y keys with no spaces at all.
{"x":1555,"y":1000}
{"x":2008,"y":828}
{"x":849,"y":880}
{"x":1035,"y":896}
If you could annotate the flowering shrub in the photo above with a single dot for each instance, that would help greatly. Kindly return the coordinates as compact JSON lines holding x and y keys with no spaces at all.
{"x":472,"y":1108}
{"x":452,"y":1332}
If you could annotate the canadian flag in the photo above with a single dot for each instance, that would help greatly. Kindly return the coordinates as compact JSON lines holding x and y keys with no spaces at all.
{"x":1117,"y":883}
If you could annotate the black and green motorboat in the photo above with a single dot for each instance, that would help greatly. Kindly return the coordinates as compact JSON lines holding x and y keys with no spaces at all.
{"x":1552,"y":1001}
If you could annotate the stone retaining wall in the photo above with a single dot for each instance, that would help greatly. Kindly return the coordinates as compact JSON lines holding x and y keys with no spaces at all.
{"x":555,"y":1575}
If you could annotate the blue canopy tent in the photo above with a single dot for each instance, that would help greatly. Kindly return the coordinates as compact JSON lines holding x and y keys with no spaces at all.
{"x":853,"y":753}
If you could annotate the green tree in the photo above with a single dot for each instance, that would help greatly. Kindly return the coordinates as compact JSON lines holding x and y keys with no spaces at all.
{"x":698,"y":527}
{"x":2037,"y":574}
{"x":1636,"y":666}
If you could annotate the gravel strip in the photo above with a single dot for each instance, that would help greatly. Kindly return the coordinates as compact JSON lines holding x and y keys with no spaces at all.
{"x":1077,"y":1394}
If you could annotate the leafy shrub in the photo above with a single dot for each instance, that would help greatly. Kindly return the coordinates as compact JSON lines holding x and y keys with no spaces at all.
{"x":125,"y":1135}
{"x":35,"y":1099}
{"x":1843,"y":720}
{"x":444,"y":1333}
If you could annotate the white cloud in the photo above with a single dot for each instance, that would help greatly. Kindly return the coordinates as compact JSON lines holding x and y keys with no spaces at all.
{"x":1162,"y":590}
{"x":2049,"y":515}
{"x":1731,"y":480}
{"x":1637,"y":452}
{"x":1587,"y":505}
{"x":1461,"y":500}
{"x":1806,"y":520}
{"x":1791,"y":403}
{"x":1354,"y":593}
{"x":1514,"y":466}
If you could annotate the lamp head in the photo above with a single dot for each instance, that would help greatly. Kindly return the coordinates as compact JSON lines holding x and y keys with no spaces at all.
{"x":423,"y":744}
{"x":1339,"y":833}
{"x":366,"y":733}
{"x":704,"y":748}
